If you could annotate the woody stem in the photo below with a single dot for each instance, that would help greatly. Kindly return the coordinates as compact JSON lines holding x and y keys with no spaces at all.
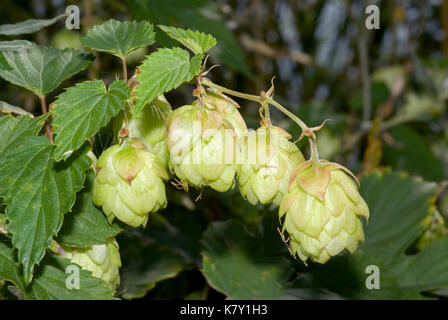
{"x":43,"y":106}
{"x":125,"y":69}
{"x":268,"y":100}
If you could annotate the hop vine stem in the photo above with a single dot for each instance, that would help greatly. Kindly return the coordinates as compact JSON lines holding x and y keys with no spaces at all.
{"x":267,"y":115}
{"x":125,"y":69}
{"x":265,"y":100}
{"x":43,"y":106}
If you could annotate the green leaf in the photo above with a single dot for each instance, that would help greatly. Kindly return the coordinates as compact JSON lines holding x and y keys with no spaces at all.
{"x":28,"y":26}
{"x":50,"y":283}
{"x":428,"y":269}
{"x":398,"y":206}
{"x":9,"y":268}
{"x":119,"y":38}
{"x":14,"y":130}
{"x":37,"y":192}
{"x":86,"y":225}
{"x":241,"y":266}
{"x":8,"y":108}
{"x":202,"y":15}
{"x":3,"y":63}
{"x":14,"y":45}
{"x":411,"y":152}
{"x":162,"y":71}
{"x":144,"y":265}
{"x":11,"y":46}
{"x":42,"y":69}
{"x":82,"y":110}
{"x":179,"y":229}
{"x":196,"y":41}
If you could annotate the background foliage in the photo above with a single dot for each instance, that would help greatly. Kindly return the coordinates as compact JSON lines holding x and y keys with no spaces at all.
{"x":384,"y":91}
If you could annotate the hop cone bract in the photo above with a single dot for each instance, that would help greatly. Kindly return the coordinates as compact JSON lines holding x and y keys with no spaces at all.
{"x":268,"y":159}
{"x":322,"y":212}
{"x":129,"y":183}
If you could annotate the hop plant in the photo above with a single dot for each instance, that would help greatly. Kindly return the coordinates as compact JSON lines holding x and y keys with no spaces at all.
{"x":268,"y":161}
{"x":322,"y":211}
{"x":102,"y":260}
{"x":202,"y":140}
{"x":129,"y":183}
{"x":148,"y":126}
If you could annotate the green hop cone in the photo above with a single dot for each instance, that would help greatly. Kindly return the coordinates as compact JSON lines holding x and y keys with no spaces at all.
{"x":129,"y":183}
{"x":268,"y":159}
{"x":149,"y":127}
{"x":102,"y":260}
{"x":322,"y":211}
{"x":202,"y":141}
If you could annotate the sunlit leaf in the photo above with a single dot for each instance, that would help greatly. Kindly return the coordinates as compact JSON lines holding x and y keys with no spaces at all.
{"x":82,"y":110}
{"x":162,"y":71}
{"x":193,"y":15}
{"x":119,"y":37}
{"x":196,"y":41}
{"x":43,"y":192}
{"x":41,"y":69}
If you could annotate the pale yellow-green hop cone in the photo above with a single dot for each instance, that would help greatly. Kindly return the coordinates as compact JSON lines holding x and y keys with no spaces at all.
{"x":148,"y":126}
{"x":129,"y":183}
{"x":102,"y":260}
{"x":322,"y":211}
{"x":202,"y":141}
{"x":268,"y":159}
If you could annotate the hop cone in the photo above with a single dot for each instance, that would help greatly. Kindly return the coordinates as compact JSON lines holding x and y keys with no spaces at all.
{"x":149,"y":127}
{"x":129,"y":183}
{"x":268,"y":161}
{"x":102,"y":260}
{"x":322,"y":211}
{"x":202,"y":140}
